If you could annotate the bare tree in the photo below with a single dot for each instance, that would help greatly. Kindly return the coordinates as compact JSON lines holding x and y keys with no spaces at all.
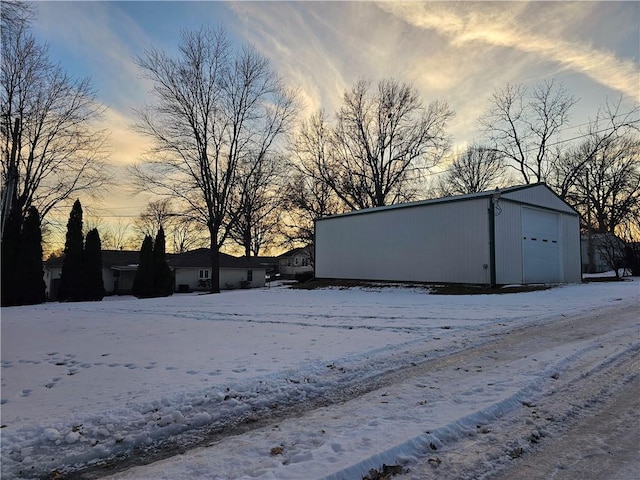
{"x":214,"y":107}
{"x":383,"y":142}
{"x":14,"y":16}
{"x":607,"y":190}
{"x":118,"y":236}
{"x":475,"y":169}
{"x":629,"y":232}
{"x":183,"y":230}
{"x":612,"y":251}
{"x":523,"y":126}
{"x":187,"y":234}
{"x":612,"y":121}
{"x":308,"y":195}
{"x":259,"y":204}
{"x":51,"y":148}
{"x":156,"y":214}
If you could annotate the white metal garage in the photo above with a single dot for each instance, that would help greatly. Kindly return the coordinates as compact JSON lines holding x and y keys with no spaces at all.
{"x":523,"y":234}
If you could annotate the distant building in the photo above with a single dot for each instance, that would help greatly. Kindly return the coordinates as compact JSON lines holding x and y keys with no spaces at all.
{"x":601,"y":252}
{"x":294,"y":262}
{"x":192,"y":271}
{"x":118,"y":271}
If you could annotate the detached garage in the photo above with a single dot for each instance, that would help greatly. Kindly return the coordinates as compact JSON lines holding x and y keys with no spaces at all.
{"x":517,"y":235}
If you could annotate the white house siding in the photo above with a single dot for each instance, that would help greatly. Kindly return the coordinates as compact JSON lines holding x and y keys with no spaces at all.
{"x":417,"y":243}
{"x":107,"y":279}
{"x":187,"y":276}
{"x":229,"y":277}
{"x":50,"y":275}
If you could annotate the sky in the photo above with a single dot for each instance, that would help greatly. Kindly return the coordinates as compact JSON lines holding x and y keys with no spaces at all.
{"x":460,"y":52}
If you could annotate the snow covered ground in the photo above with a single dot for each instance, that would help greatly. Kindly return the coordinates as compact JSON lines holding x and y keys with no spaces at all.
{"x":286,"y":384}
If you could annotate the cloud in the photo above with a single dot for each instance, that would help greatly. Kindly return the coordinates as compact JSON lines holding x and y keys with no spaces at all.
{"x":538,"y":29}
{"x":127,"y":145}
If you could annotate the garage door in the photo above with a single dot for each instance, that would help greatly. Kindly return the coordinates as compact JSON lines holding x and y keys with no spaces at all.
{"x":540,"y":246}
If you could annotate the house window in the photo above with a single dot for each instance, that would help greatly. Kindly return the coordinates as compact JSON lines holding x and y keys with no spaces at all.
{"x":305,"y":261}
{"x":249,"y":275}
{"x":203,"y":274}
{"x":297,"y":261}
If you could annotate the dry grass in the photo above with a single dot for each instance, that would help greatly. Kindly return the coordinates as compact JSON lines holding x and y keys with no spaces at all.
{"x":449,"y":289}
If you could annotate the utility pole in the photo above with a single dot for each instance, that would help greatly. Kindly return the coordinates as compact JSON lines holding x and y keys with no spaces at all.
{"x":11,"y":182}
{"x":589,"y":239}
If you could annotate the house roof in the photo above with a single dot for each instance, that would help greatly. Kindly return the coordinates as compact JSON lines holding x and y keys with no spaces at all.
{"x":110,"y":258}
{"x":200,"y":258}
{"x":456,"y":198}
{"x":295,"y":251}
{"x":118,"y":259}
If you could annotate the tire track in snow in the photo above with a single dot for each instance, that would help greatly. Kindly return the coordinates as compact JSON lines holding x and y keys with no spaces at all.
{"x":499,"y":348}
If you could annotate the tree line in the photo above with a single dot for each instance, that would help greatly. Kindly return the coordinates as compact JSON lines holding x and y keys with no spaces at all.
{"x":231,"y":157}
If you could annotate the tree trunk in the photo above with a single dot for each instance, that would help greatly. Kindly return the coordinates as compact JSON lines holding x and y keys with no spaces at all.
{"x":215,"y":260}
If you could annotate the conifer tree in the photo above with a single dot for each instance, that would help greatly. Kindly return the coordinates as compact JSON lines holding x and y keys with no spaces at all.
{"x":71,"y":288}
{"x":32,"y":287}
{"x":93,"y":283}
{"x":163,"y":276}
{"x":143,"y":284}
{"x":11,"y":259}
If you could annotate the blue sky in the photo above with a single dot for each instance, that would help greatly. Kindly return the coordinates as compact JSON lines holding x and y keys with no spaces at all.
{"x":455,"y":51}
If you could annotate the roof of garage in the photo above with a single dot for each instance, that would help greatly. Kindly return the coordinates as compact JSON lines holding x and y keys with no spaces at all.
{"x":521,"y":193}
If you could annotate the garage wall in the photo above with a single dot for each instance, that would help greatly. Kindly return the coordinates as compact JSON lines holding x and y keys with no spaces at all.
{"x":508,"y":235}
{"x":445,"y":242}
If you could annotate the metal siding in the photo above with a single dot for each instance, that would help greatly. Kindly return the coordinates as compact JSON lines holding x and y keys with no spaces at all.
{"x":541,"y":246}
{"x":508,"y":243}
{"x":446,"y":242}
{"x":539,"y":195}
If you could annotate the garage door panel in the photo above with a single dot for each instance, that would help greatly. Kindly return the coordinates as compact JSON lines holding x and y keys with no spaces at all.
{"x":540,"y":246}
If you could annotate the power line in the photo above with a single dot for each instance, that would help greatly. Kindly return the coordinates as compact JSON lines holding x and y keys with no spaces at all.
{"x":529,"y":150}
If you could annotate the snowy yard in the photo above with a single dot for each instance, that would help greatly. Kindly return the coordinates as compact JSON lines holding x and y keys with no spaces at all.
{"x":85,"y":382}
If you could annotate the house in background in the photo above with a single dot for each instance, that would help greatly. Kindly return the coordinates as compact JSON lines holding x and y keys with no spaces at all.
{"x":118,"y":271}
{"x":271,"y":266}
{"x":518,"y":235}
{"x":294,"y":262}
{"x":192,"y":271}
{"x":601,"y":252}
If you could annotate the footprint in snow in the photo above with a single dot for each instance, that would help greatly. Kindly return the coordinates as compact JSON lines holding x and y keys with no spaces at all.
{"x":25,"y":392}
{"x":192,"y":372}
